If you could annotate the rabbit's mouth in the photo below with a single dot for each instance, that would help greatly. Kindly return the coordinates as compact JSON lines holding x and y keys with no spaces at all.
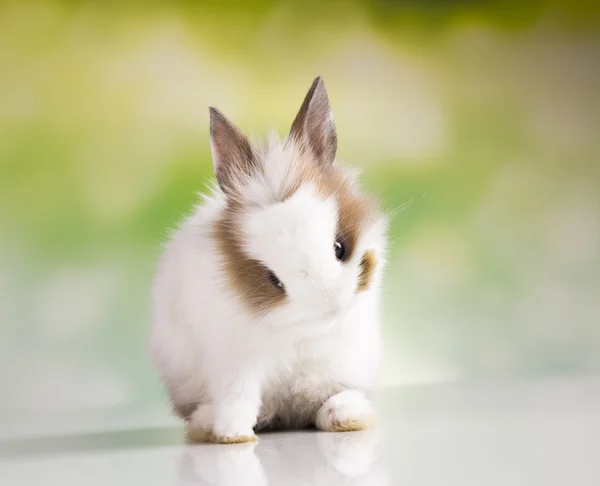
{"x":315,"y":322}
{"x":308,"y":327}
{"x":315,"y":328}
{"x":322,"y":323}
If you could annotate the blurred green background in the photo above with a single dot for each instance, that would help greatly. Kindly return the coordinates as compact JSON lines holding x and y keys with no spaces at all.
{"x":480,"y":120}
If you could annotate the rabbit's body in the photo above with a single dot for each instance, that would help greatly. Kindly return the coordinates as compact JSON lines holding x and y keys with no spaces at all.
{"x":237,"y":348}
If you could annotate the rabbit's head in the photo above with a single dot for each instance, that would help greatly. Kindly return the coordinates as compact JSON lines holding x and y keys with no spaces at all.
{"x":298,"y":241}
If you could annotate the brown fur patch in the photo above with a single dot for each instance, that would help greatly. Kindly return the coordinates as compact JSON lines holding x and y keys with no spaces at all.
{"x":184,"y":411}
{"x":238,"y":439}
{"x":194,"y":435}
{"x":309,"y":172}
{"x":367,"y":270}
{"x":248,"y":277}
{"x":352,"y":426}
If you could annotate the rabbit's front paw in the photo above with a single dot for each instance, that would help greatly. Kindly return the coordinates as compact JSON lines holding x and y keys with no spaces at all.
{"x":233,"y":438}
{"x":199,"y":427}
{"x":234,"y":424}
{"x":345,"y":412}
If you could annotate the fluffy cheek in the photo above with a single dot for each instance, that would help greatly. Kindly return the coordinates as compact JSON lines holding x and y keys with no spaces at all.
{"x":346,"y":288}
{"x":245,"y":276}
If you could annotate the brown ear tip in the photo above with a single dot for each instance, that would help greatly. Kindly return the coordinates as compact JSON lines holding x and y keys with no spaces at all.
{"x":318,"y":88}
{"x":318,"y":82}
{"x":217,"y":119}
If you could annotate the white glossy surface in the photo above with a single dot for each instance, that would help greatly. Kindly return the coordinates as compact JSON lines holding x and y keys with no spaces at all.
{"x":538,"y":433}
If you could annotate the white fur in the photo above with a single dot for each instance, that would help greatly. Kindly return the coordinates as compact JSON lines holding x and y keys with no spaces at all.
{"x":280,"y":367}
{"x":343,"y":409}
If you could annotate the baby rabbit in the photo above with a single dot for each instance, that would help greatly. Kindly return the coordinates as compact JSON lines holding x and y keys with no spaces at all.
{"x":266,"y":298}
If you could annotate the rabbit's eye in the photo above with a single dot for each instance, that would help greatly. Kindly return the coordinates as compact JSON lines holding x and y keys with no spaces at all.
{"x":275,"y":281}
{"x":340,"y":250}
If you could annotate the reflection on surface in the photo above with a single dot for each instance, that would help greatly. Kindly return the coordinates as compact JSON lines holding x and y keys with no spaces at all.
{"x":313,"y":458}
{"x":90,"y":442}
{"x":542,"y":433}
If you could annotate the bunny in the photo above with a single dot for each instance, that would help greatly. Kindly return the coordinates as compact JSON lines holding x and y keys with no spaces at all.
{"x":266,"y":299}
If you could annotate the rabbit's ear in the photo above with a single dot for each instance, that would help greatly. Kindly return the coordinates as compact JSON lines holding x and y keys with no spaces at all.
{"x":314,"y":127}
{"x":233,"y":157}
